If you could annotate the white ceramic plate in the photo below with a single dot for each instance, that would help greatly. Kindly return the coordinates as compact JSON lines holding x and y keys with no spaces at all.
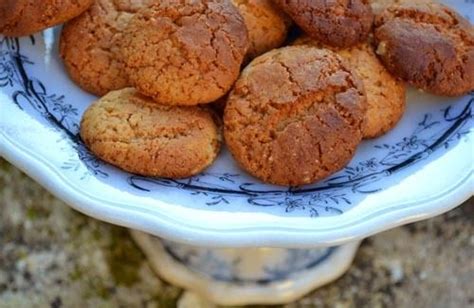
{"x":422,"y":168}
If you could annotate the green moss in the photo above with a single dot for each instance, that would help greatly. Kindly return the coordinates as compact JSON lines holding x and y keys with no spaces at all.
{"x":4,"y":165}
{"x":123,"y":257}
{"x":96,"y":235}
{"x":167,"y":298}
{"x":76,"y":274}
{"x":166,"y":302}
{"x":102,"y":291}
{"x":263,"y":306}
{"x":22,"y":254}
{"x":96,"y":288}
{"x":33,"y":213}
{"x":4,"y":170}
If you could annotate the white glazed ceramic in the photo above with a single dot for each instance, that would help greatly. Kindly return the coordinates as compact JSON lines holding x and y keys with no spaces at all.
{"x":422,"y":168}
{"x":242,"y":276}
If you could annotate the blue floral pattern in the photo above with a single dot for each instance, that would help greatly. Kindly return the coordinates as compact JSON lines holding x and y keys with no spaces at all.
{"x":31,"y":92}
{"x":434,"y":132}
{"x":226,"y":268}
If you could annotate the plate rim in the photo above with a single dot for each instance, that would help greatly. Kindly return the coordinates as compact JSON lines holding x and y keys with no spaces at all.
{"x":254,"y":236}
{"x":269,"y":233}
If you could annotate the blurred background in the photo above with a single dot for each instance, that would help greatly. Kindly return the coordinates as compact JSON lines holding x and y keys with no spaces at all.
{"x":53,"y":256}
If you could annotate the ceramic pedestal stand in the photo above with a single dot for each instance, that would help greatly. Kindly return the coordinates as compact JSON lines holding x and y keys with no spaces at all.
{"x":420,"y":169}
{"x":241,"y":276}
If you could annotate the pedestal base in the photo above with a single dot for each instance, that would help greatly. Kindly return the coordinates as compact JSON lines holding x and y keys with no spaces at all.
{"x":242,"y":276}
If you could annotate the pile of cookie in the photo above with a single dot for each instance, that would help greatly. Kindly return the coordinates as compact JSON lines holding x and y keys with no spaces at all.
{"x":175,"y":76}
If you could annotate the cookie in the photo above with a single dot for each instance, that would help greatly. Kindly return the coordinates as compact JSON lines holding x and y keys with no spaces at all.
{"x":379,"y":5}
{"x":185,"y":53}
{"x":339,"y":23}
{"x":386,"y":97}
{"x":134,"y":133}
{"x":25,"y":17}
{"x":295,"y":115}
{"x":428,"y":45}
{"x":266,"y":24}
{"x":89,"y":45}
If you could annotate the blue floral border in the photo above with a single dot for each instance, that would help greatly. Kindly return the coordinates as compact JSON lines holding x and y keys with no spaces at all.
{"x":330,"y":197}
{"x":204,"y":261}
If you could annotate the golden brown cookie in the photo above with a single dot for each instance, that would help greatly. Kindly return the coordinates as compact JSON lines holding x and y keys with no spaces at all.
{"x":266,"y":24}
{"x":138,"y":135}
{"x":339,"y":23}
{"x":428,"y":45}
{"x":379,"y":5}
{"x":185,"y":53}
{"x":89,"y":45}
{"x":25,"y":17}
{"x":295,"y":115}
{"x":385,"y":94}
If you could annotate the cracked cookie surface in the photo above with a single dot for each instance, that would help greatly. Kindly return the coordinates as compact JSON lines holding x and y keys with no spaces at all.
{"x":339,"y":23}
{"x":428,"y":45}
{"x":378,"y":6}
{"x":89,"y":45}
{"x":295,"y":115}
{"x":25,"y":17}
{"x":185,"y":53}
{"x":134,"y":133}
{"x":386,"y":95}
{"x":267,"y":25}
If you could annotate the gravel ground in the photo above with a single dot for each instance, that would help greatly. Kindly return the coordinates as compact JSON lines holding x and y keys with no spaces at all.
{"x":53,"y":256}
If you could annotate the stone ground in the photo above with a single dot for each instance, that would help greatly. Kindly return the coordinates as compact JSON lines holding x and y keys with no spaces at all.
{"x":52,"y":256}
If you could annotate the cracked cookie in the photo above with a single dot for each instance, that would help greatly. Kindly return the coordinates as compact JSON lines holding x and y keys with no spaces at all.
{"x":428,"y":45}
{"x":134,"y":133}
{"x":266,"y":24}
{"x":25,"y":17}
{"x":295,"y":115}
{"x":185,"y":53}
{"x":379,"y":5}
{"x":339,"y":23}
{"x":386,"y":96}
{"x":89,"y":45}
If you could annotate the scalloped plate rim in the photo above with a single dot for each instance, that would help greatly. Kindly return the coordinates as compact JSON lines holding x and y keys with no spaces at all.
{"x":173,"y":220}
{"x":262,"y":235}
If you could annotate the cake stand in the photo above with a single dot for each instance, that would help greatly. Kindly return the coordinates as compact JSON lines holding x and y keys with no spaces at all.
{"x":223,"y":234}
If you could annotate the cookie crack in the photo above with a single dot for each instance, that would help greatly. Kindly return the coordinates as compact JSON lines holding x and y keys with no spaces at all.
{"x":418,"y":17}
